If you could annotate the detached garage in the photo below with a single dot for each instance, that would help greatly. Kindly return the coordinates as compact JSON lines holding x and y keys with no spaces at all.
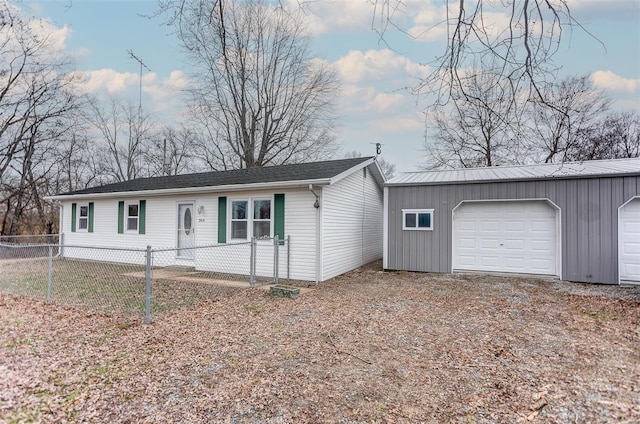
{"x":574,"y":221}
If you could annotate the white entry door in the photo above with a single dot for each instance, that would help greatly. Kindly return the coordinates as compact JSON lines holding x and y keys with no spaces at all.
{"x":629,"y":231}
{"x":186,"y":233}
{"x":505,"y":236}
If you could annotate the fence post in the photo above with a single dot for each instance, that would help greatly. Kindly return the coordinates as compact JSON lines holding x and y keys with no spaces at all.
{"x":276,"y":249}
{"x":288,"y":256}
{"x":147,"y":289}
{"x":61,"y":245}
{"x":252,"y":263}
{"x":50,"y":273}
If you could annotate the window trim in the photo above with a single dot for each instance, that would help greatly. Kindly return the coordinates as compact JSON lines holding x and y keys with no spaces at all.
{"x":416,"y":212}
{"x":250,"y":216}
{"x":127,"y":217}
{"x":80,"y":217}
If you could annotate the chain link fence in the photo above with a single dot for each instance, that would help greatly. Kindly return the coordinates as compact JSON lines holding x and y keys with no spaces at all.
{"x":144,"y":282}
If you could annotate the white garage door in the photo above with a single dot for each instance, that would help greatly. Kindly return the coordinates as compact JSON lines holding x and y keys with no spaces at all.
{"x":629,"y":230}
{"x":515,"y":236}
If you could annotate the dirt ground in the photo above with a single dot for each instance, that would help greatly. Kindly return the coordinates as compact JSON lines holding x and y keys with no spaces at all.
{"x":368,"y":346}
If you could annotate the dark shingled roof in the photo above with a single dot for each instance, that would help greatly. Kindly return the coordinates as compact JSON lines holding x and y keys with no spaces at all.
{"x":266,"y":174}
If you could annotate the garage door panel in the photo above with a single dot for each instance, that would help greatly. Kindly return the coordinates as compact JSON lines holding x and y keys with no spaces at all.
{"x":632,"y":248}
{"x":489,"y":243}
{"x":467,"y":226}
{"x":540,"y":265}
{"x":489,"y":261}
{"x":631,"y":227}
{"x":489,"y":226}
{"x":511,"y":236}
{"x":514,"y":226}
{"x":466,"y":243}
{"x":467,"y":260}
{"x":541,"y":246}
{"x":514,"y":264}
{"x":542,"y":226}
{"x":514,"y":244}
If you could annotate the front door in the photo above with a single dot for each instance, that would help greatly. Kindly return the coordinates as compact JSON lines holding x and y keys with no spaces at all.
{"x":186,"y":233}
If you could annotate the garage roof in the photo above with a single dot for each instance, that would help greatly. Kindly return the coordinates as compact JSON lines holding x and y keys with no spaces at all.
{"x":596,"y":168}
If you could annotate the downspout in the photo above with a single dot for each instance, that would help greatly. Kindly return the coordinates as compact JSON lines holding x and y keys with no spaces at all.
{"x":316,"y":205}
{"x":60,"y":228}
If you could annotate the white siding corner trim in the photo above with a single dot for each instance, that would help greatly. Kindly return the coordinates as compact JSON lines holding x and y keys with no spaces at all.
{"x":385,"y":228}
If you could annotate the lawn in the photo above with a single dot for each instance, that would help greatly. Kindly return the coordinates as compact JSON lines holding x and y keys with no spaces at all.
{"x":105,"y":287}
{"x":367,"y":346}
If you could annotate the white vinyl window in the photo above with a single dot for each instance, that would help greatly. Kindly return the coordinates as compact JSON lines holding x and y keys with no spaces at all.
{"x":239,"y":219}
{"x":262,"y":218}
{"x":83,"y":218}
{"x":417,"y":219}
{"x":251,"y":218}
{"x":133,"y":212}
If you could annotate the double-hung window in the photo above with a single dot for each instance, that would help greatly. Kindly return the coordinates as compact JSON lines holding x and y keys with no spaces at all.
{"x":239,"y":219}
{"x":251,"y":218}
{"x":133,"y":213}
{"x":83,"y":218}
{"x":417,"y":219}
{"x":262,"y":218}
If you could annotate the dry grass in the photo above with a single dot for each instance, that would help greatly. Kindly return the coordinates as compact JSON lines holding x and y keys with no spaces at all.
{"x":365,"y":347}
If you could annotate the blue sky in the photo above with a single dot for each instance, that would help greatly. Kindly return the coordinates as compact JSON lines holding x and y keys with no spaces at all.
{"x":372,"y":105}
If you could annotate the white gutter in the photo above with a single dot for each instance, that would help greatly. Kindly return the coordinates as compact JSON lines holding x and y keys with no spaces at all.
{"x":195,"y":190}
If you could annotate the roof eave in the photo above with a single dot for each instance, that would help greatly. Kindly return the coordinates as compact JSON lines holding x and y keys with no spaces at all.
{"x":502,"y":180}
{"x":195,"y":190}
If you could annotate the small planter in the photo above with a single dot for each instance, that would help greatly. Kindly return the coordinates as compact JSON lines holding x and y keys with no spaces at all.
{"x":284,"y":291}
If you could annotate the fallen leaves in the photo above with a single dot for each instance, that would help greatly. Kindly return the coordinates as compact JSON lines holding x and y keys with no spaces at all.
{"x":365,"y":347}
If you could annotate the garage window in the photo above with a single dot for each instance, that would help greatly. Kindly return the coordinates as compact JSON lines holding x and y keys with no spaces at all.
{"x":417,"y":219}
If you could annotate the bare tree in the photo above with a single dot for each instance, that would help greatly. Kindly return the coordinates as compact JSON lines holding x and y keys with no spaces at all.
{"x":572,"y":106}
{"x":260,"y":97}
{"x":388,"y":168}
{"x":515,"y":40}
{"x":124,"y":131}
{"x":36,"y":93}
{"x":480,"y":127}
{"x":174,"y":151}
{"x":615,"y":136}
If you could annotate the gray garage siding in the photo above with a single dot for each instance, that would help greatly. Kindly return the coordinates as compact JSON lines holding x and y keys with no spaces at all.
{"x":589,"y":221}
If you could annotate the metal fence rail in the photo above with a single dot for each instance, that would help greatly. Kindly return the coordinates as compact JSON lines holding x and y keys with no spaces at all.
{"x":143,"y":282}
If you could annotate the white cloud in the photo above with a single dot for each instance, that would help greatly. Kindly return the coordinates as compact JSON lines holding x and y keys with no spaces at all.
{"x":604,"y":10}
{"x":368,"y":100}
{"x":377,"y":65}
{"x":109,"y":80}
{"x":608,"y":80}
{"x":167,"y":88}
{"x":161,"y":94}
{"x":325,"y":16}
{"x":396,"y":124}
{"x":51,"y":39}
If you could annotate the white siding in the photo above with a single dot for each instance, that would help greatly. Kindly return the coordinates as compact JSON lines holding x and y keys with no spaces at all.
{"x":161,"y":232}
{"x":351,"y":224}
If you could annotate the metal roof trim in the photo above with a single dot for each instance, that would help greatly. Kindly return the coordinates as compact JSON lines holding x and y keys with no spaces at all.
{"x":570,"y":170}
